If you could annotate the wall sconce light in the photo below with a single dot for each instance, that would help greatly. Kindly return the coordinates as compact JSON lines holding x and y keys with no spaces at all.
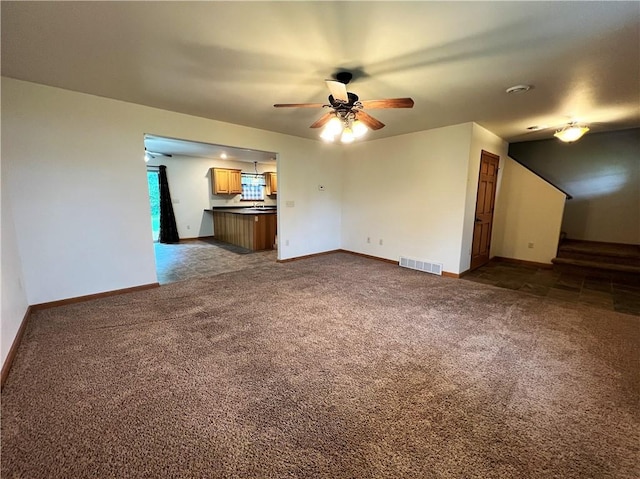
{"x":570,"y":133}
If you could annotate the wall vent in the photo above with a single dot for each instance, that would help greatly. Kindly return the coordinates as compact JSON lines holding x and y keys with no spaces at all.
{"x":426,"y":266}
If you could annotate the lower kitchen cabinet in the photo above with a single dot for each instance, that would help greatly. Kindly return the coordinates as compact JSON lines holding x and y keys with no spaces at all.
{"x":254,"y":232}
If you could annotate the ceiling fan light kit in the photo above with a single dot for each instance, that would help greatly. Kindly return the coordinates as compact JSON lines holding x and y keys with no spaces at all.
{"x":347,"y":118}
{"x":347,"y":127}
{"x":570,"y":133}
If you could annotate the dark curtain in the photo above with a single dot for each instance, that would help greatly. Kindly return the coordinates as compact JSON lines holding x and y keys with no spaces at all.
{"x":168,"y":228}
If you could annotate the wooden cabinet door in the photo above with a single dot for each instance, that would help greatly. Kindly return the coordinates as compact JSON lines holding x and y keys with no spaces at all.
{"x":235,"y":184}
{"x":264,"y":232}
{"x":220,"y":181}
{"x":271,"y":180}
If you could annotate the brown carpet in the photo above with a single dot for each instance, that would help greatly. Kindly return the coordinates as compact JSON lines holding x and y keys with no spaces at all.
{"x":331,"y":367}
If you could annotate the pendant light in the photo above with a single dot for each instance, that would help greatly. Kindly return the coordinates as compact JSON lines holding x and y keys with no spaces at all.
{"x":570,"y":133}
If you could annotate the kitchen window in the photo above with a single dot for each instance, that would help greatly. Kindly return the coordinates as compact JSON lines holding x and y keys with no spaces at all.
{"x":252,"y":186}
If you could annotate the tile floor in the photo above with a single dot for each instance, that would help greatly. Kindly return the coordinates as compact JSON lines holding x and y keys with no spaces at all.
{"x":597,"y":292}
{"x":204,"y":257}
{"x":207,"y":257}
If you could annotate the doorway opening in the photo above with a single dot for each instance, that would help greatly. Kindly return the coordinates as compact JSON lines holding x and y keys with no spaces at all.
{"x":153,"y":182}
{"x":196,"y":174}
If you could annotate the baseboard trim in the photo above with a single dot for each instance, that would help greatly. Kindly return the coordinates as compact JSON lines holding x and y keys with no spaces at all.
{"x":89,"y":297}
{"x":391,"y":261}
{"x":13,"y":350}
{"x":447,"y":274}
{"x":196,"y":238}
{"x":307,"y":256}
{"x":523,"y":262}
{"x":362,"y":255}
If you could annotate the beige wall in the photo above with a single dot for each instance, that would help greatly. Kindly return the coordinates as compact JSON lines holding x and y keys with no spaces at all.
{"x":76,"y":179}
{"x":528,"y":210}
{"x":14,"y":297}
{"x":416,"y":193}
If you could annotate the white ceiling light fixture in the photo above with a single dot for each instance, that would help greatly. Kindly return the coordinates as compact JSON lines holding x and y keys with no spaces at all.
{"x":570,"y":133}
{"x":332,"y":129}
{"x":345,"y":126}
{"x":359,"y":129}
{"x":347,"y":135}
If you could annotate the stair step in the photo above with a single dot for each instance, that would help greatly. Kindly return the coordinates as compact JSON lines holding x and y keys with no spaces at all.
{"x":615,"y":261}
{"x":599,"y":258}
{"x":592,"y":248}
{"x":627,"y":268}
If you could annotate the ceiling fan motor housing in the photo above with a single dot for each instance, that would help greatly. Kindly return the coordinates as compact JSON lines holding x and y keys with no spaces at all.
{"x":338,"y":105}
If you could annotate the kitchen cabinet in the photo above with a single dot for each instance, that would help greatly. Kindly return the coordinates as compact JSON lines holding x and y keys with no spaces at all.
{"x":271,"y":181}
{"x":225,"y":181}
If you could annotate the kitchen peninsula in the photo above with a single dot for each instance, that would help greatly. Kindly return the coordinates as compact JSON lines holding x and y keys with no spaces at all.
{"x":251,"y":228}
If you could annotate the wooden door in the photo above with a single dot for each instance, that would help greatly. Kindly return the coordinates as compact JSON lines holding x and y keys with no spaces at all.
{"x":485,"y":200}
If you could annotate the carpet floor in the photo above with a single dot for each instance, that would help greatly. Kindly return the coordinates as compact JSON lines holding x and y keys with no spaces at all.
{"x":331,"y":367}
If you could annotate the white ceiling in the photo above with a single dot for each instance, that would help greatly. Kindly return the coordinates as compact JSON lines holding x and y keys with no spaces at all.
{"x":176,"y":147}
{"x":231,"y":61}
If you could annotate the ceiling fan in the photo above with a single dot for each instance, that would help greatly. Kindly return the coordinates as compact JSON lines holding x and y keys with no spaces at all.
{"x":347,"y":117}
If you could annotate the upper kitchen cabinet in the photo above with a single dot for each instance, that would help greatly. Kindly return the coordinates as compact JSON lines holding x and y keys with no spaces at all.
{"x":271,"y":180}
{"x":225,"y":181}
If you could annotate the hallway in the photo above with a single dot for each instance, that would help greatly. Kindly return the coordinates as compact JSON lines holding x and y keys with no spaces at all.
{"x":578,"y":288}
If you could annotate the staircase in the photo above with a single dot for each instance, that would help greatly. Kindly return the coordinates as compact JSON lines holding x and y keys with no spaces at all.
{"x":617,"y":262}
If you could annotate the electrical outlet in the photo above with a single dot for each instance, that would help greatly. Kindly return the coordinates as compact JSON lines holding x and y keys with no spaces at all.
{"x":188,"y":227}
{"x":286,"y":243}
{"x":380,"y":241}
{"x":290,"y":203}
{"x":530,"y":245}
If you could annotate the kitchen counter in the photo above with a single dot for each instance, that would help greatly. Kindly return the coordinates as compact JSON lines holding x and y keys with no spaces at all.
{"x":245,"y":211}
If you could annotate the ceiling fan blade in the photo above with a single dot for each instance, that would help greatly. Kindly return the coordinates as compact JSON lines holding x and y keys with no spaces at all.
{"x":390,"y":103}
{"x":299,"y":105}
{"x":368,"y":120}
{"x":338,"y":90}
{"x":156,"y":153}
{"x":323,"y":120}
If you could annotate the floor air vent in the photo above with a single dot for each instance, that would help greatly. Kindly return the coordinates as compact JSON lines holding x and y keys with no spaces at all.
{"x":426,"y":266}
